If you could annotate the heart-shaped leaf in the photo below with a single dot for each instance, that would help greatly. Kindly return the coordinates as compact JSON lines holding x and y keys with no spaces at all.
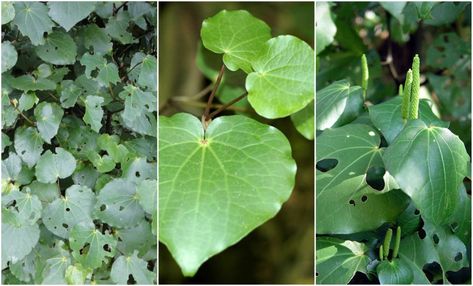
{"x":339,"y":260}
{"x":338,"y":104}
{"x":304,"y":121}
{"x":429,"y":164}
{"x":67,"y":14}
{"x":93,"y":112}
{"x":283,"y":75}
{"x":28,"y":145}
{"x":32,"y":20}
{"x":8,"y":12}
{"x":132,"y":266}
{"x":388,"y":119}
{"x":51,"y":166}
{"x":9,"y":56}
{"x":346,"y":203}
{"x":28,"y":82}
{"x":48,"y":116}
{"x":59,"y":49}
{"x":238,"y":167}
{"x":237,"y":35}
{"x":325,"y":28}
{"x":396,"y":271}
{"x":97,"y":38}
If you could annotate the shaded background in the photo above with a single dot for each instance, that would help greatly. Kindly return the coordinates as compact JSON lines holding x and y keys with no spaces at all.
{"x":282,"y":249}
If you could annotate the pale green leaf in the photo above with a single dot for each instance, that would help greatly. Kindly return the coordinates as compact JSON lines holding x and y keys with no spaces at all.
{"x":76,"y":274}
{"x":237,"y":35}
{"x":92,"y":62}
{"x":28,"y":82}
{"x":129,"y":241}
{"x":69,"y":94}
{"x":32,"y":20}
{"x":117,"y":28}
{"x":242,"y":168}
{"x":9,"y":56}
{"x":8,"y":12}
{"x":59,"y":49}
{"x":148,"y":77}
{"x":27,"y":101}
{"x":108,"y":74}
{"x":325,"y":27}
{"x":283,"y":75}
{"x":97,"y":38}
{"x":67,"y":14}
{"x":11,"y":167}
{"x":93,"y":112}
{"x":124,"y":266}
{"x":28,"y":145}
{"x":147,"y":192}
{"x":304,"y":121}
{"x":48,"y":118}
{"x":52,"y":166}
{"x":139,"y":106}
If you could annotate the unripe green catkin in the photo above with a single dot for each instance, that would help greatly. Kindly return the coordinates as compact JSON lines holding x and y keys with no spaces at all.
{"x":381,"y":253}
{"x":387,"y":242}
{"x":406,"y":97}
{"x":400,"y":90}
{"x":397,"y":242}
{"x":415,"y":89}
{"x":365,"y":75}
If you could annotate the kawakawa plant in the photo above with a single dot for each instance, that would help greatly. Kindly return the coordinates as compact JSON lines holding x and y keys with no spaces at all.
{"x":398,"y":165}
{"x":79,"y":190}
{"x":221,"y":177}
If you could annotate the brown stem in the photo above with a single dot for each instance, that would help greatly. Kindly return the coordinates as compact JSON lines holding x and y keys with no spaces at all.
{"x":205,"y":116}
{"x":228,"y":104}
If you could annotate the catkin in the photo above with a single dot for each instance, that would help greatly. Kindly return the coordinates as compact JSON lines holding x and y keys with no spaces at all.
{"x":397,"y":242}
{"x":387,"y":242}
{"x":365,"y":75}
{"x":400,"y":91}
{"x":406,"y":97}
{"x":415,"y":89}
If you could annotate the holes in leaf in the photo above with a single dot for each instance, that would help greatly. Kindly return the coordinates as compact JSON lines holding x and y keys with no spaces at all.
{"x":84,"y":250}
{"x":64,"y":225}
{"x":416,"y":212}
{"x":130,"y":280}
{"x":121,"y":208}
{"x":352,"y":202}
{"x":150,"y":265}
{"x":364,"y":198}
{"x":383,"y":143}
{"x":55,"y":48}
{"x":436,"y":238}
{"x":458,"y":257}
{"x":421,"y":233}
{"x":106,"y":247}
{"x":120,"y":239}
{"x":137,"y":174}
{"x":454,"y":226}
{"x":374,"y":178}
{"x":326,"y":165}
{"x":103,"y":207}
{"x":23,"y":152}
{"x":316,"y":274}
{"x":68,"y":209}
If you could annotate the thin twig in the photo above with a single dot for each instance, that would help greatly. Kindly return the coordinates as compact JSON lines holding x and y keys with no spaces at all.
{"x":227,"y":105}
{"x":22,"y":115}
{"x":203,"y":105}
{"x":205,"y":116}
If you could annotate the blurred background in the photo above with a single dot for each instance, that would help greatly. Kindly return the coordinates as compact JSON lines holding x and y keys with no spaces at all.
{"x":390,"y":34}
{"x":281,"y":250}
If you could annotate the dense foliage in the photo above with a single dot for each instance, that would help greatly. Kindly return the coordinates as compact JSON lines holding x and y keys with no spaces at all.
{"x":222,"y":177}
{"x":388,"y":154}
{"x":79,"y":189}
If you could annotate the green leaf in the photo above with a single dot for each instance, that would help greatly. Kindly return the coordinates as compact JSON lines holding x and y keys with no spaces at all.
{"x":103,"y":164}
{"x":394,"y":272}
{"x":304,"y":121}
{"x":147,"y":192}
{"x":45,"y":192}
{"x":128,"y":241}
{"x":424,"y":10}
{"x":92,"y":62}
{"x":48,"y":118}
{"x":242,"y":168}
{"x":28,"y":145}
{"x":237,"y":35}
{"x":139,"y":106}
{"x":26,"y":207}
{"x":59,"y":49}
{"x":117,"y":152}
{"x":9,"y":56}
{"x":8,"y":12}
{"x":69,"y":93}
{"x":11,"y":167}
{"x":446,"y":51}
{"x":93,"y":112}
{"x":429,"y":164}
{"x":5,"y":141}
{"x":55,"y":269}
{"x":132,"y":266}
{"x":64,"y":213}
{"x":108,"y":74}
{"x":338,"y":104}
{"x":117,"y":28}
{"x":43,"y":71}
{"x":67,"y":14}
{"x":346,"y":203}
{"x":387,"y":117}
{"x":148,"y":77}
{"x":118,"y":204}
{"x":27,"y":83}
{"x":97,"y":38}
{"x":32,"y":20}
{"x":283,"y":75}
{"x":27,"y":101}
{"x":89,"y":246}
{"x":325,"y":28}
{"x":445,"y":13}
{"x":338,"y":260}
{"x":52,"y":166}
{"x":395,"y":9}
{"x":76,"y":274}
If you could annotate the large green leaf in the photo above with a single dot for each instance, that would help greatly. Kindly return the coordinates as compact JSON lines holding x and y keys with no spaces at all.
{"x":388,"y":119}
{"x":52,"y":166}
{"x":67,"y":14}
{"x":237,"y":35}
{"x":9,"y":56}
{"x":338,"y":260}
{"x":59,"y":49}
{"x":28,"y":82}
{"x":148,"y":73}
{"x":32,"y":20}
{"x":69,"y":94}
{"x":8,"y":12}
{"x":133,"y":266}
{"x":325,"y":27}
{"x":48,"y":117}
{"x":429,"y":164}
{"x":28,"y":145}
{"x":337,"y":104}
{"x":96,"y":37}
{"x":139,"y":108}
{"x":304,"y":121}
{"x":64,"y":213}
{"x":108,"y":74}
{"x":396,"y":271}
{"x":346,"y":203}
{"x":118,"y":204}
{"x":283,"y":75}
{"x":93,"y":112}
{"x":117,"y":28}
{"x":89,"y":246}
{"x":238,"y":167}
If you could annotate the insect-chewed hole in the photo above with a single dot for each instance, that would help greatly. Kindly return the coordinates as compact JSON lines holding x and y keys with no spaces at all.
{"x":103,"y":207}
{"x":130,"y":280}
{"x":84,"y":249}
{"x":68,"y":209}
{"x":364,"y":198}
{"x":416,"y":212}
{"x":137,"y":174}
{"x":326,"y":165}
{"x":106,"y":247}
{"x":374,"y":178}
{"x":65,"y":225}
{"x":352,"y":202}
{"x":421,"y":233}
{"x":316,"y":274}
{"x":458,"y":257}
{"x":121,"y":208}
{"x":436,"y":238}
